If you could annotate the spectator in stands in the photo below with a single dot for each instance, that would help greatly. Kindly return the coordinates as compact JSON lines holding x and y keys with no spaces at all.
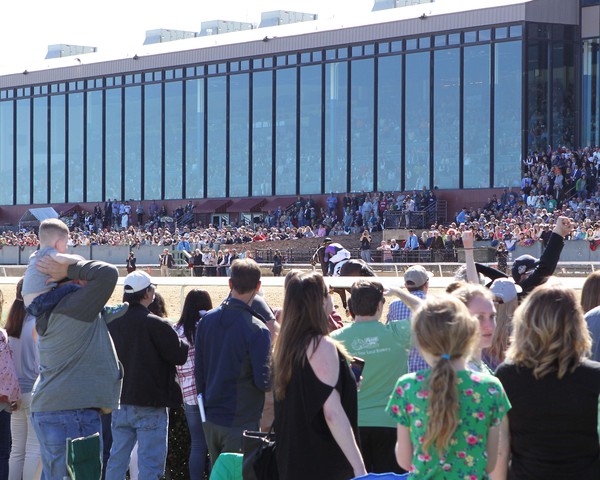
{"x":365,"y":246}
{"x":166,"y":262}
{"x":412,"y":242}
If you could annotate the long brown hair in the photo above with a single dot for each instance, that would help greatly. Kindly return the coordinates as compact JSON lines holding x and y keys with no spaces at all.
{"x":16,"y":314}
{"x":303,"y":320}
{"x":590,"y":294}
{"x":444,"y":329}
{"x":549,"y":332}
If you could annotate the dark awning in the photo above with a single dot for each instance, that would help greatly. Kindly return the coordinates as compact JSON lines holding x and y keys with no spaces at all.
{"x":216,"y":205}
{"x":247,"y":204}
{"x":273,"y":203}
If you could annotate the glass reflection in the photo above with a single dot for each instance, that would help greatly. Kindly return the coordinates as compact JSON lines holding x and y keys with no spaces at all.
{"x":239,"y":131}
{"x":23,"y":151}
{"x":389,"y":124}
{"x":216,"y":136}
{"x":75,"y":184}
{"x":262,"y":133}
{"x":194,"y":138}
{"x":40,"y":150}
{"x":336,"y":127}
{"x":57,"y":149}
{"x":113,"y":144}
{"x":416,"y":155}
{"x":6,"y":152}
{"x":133,"y":143}
{"x":446,"y":123}
{"x":476,"y":117}
{"x":285,"y":132}
{"x":152,"y":141}
{"x":362,"y":116}
{"x":173,"y":140}
{"x":507,"y":114}
{"x":310,"y":129}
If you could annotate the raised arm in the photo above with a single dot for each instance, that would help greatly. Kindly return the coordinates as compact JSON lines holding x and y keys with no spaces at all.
{"x":410,"y":300}
{"x":468,"y":242}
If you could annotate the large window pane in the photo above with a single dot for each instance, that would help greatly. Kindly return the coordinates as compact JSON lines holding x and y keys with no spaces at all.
{"x":362,"y":103}
{"x":217,"y":136}
{"x":262,"y":133}
{"x":446,"y":123}
{"x":310,"y":129}
{"x":113,"y":144}
{"x":173,"y":140}
{"x":417,"y":121}
{"x":389,"y":123}
{"x":6,"y":153}
{"x":40,"y":150}
{"x":57,"y":149}
{"x":563,"y":94}
{"x":537,"y":94}
{"x":336,"y":127}
{"x":239,"y":152}
{"x":507,"y":115}
{"x":152,"y":142}
{"x":133,"y":143}
{"x":76,"y":154}
{"x":285,"y":127}
{"x":476,"y":120}
{"x":94,"y":147}
{"x":23,"y":151}
{"x":591,"y":92}
{"x":194,"y":138}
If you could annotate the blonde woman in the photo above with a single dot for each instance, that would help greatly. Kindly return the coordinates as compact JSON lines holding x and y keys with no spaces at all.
{"x":315,"y":391}
{"x":448,"y":416}
{"x":553,"y":389}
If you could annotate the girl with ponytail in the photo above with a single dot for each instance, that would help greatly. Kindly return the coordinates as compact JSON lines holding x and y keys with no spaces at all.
{"x":448,"y":416}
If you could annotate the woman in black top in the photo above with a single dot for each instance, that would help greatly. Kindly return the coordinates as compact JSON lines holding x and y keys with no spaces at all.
{"x":315,"y":391}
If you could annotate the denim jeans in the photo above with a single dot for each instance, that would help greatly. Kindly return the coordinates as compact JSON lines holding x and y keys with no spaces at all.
{"x":4,"y":443}
{"x":149,"y":426}
{"x":53,"y":429}
{"x":198,"y":449}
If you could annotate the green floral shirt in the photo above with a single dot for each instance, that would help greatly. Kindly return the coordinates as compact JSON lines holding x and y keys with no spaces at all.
{"x":482,"y":405}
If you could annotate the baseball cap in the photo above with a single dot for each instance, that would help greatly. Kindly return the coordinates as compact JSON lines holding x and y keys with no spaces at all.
{"x":136,"y":282}
{"x":522,"y":265}
{"x":416,"y":276}
{"x":506,"y":289}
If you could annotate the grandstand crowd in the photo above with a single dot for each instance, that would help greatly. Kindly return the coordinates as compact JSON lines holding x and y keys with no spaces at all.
{"x":559,"y":182}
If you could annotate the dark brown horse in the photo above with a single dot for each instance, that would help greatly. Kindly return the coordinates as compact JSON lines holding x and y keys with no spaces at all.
{"x":353,"y":267}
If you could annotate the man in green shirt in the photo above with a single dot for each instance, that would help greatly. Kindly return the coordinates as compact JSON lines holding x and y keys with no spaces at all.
{"x":384,"y":348}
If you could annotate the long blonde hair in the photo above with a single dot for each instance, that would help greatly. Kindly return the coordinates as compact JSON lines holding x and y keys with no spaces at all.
{"x":303,"y":320}
{"x":549,"y":332}
{"x":500,"y":339}
{"x":444,"y":326}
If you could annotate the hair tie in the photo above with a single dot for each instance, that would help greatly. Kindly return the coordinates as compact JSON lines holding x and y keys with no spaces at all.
{"x":445,"y":355}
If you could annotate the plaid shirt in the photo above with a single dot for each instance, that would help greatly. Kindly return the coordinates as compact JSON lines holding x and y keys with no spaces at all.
{"x":399,"y":311}
{"x":185,"y":374}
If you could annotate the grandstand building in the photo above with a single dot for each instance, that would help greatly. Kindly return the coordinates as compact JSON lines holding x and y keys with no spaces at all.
{"x":442,"y":94}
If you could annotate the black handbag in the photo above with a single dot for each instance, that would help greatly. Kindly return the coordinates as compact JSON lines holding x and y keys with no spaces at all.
{"x":259,"y":456}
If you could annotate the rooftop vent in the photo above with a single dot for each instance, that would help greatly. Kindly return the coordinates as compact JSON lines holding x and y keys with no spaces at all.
{"x":387,"y":4}
{"x":284,"y":17}
{"x":63,"y":50}
{"x":216,"y":27}
{"x":161,"y":35}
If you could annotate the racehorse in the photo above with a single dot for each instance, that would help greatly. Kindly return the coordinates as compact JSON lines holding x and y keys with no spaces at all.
{"x":353,"y":267}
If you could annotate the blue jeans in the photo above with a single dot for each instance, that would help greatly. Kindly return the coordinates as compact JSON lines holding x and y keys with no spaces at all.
{"x":198,"y":449}
{"x":5,"y":443}
{"x":149,"y":427}
{"x":53,"y":429}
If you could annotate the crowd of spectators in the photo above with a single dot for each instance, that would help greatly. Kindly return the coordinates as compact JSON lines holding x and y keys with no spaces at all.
{"x":560,"y":182}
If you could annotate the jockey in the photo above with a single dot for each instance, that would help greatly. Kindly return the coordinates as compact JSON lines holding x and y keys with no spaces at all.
{"x":335,"y":256}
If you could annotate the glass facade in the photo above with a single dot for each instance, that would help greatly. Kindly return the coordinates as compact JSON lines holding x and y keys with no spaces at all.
{"x":448,"y":110}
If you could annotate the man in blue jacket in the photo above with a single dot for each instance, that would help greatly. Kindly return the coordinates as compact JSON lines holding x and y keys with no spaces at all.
{"x":233,"y":347}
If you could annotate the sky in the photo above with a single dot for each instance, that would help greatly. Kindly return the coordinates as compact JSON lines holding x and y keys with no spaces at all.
{"x":119,"y":26}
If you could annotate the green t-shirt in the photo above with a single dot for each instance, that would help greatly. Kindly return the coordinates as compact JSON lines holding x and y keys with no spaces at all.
{"x":482,"y":405}
{"x":385,"y":351}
